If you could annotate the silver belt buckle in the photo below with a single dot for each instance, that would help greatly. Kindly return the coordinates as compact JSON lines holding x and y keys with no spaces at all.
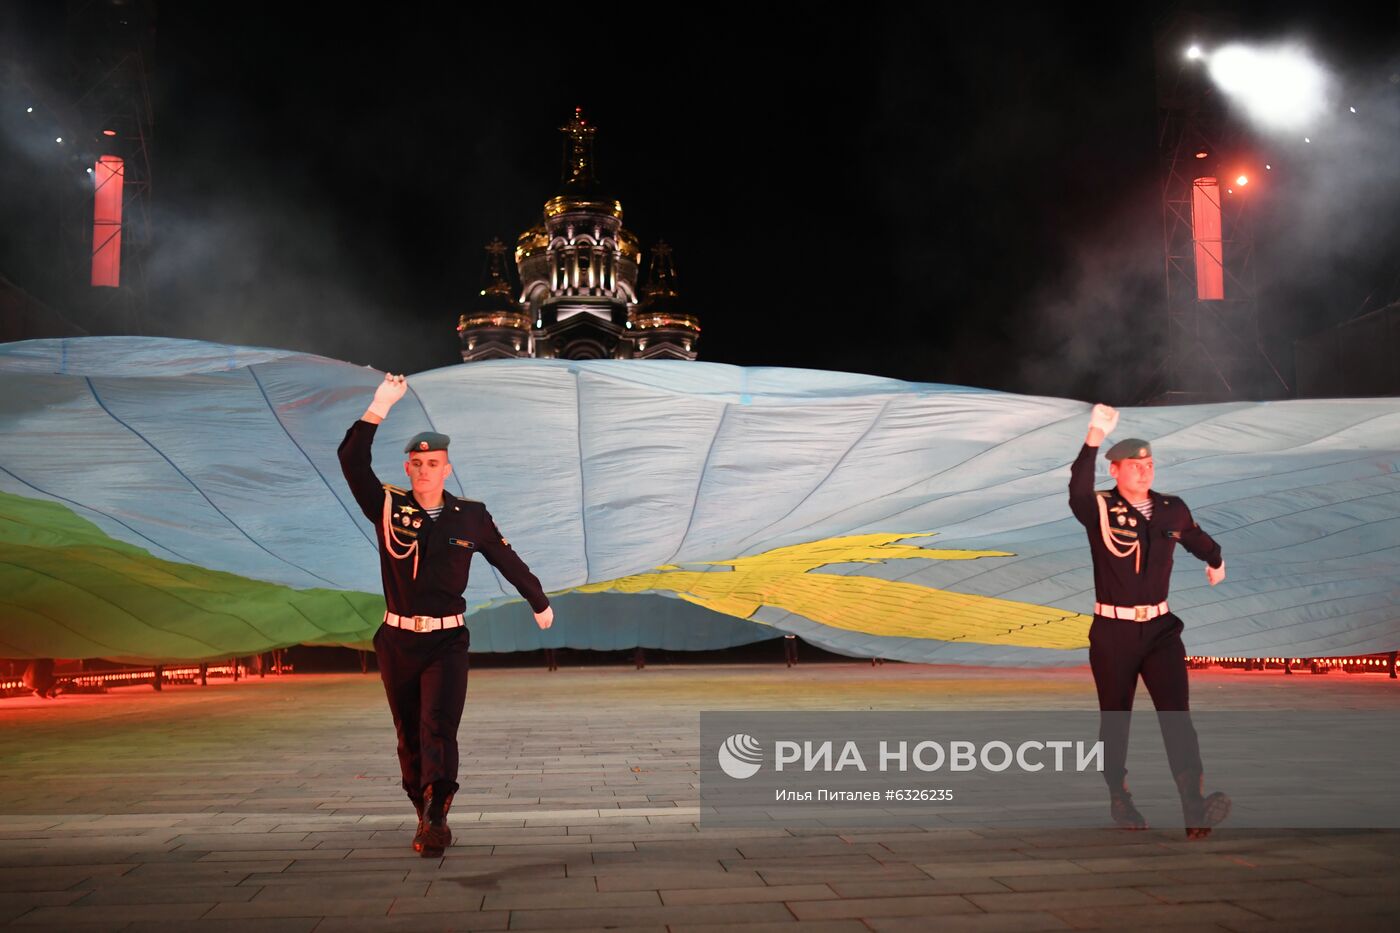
{"x":1140,"y":613}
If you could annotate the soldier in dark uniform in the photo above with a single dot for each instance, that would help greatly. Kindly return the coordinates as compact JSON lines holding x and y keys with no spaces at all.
{"x":427,"y":538}
{"x":1133,"y":531}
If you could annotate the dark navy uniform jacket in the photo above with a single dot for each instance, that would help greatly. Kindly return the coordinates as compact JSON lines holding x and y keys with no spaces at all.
{"x":1142,"y":574}
{"x":445,"y":546}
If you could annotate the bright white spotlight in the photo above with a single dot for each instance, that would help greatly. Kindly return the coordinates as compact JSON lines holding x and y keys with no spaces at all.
{"x":1280,"y":87}
{"x":1194,"y":53}
{"x":1268,"y":167}
{"x":1352,"y":109}
{"x":28,"y":109}
{"x":58,"y":139}
{"x":1242,"y":180}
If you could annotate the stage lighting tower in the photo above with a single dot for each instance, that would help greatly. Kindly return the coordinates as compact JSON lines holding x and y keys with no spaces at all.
{"x":109,"y":50}
{"x":1212,"y":349}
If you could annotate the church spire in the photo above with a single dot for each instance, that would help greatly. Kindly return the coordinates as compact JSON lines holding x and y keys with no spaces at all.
{"x":660,"y":328}
{"x":580,"y":171}
{"x":661,"y":274}
{"x":497,"y":327}
{"x":495,"y":290}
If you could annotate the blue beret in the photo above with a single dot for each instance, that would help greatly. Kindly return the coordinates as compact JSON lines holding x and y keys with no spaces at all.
{"x":1134,"y":448}
{"x":427,"y":440}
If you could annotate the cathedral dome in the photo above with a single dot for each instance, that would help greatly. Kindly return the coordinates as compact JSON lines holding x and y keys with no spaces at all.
{"x":532,"y":241}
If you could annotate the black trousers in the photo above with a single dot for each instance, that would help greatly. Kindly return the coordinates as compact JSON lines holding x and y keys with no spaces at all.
{"x":425,"y":679}
{"x":1120,"y":651}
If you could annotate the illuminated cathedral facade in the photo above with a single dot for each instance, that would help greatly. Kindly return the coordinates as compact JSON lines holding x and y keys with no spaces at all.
{"x":578,"y":270}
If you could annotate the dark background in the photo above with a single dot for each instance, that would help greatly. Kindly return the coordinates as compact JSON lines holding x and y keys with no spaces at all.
{"x":967,"y":195}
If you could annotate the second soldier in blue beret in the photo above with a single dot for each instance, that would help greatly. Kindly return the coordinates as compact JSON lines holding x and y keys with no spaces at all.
{"x":1133,"y":531}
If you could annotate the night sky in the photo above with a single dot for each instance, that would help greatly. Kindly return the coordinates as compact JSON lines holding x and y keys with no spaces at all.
{"x":933,"y":194}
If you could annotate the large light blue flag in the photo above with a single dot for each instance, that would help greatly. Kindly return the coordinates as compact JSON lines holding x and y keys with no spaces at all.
{"x":166,"y":499}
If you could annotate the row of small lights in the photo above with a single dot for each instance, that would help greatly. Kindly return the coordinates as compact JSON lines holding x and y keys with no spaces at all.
{"x":118,"y":677}
{"x":1354,"y":662}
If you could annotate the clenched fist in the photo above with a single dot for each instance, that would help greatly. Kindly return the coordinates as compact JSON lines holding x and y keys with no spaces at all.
{"x":545,"y":619}
{"x":1215,"y":574}
{"x":1104,"y":418}
{"x":387,"y":393}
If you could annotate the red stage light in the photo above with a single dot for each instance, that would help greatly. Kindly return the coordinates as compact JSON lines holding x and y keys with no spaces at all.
{"x":109,"y":132}
{"x":107,"y":222}
{"x":1206,"y":233}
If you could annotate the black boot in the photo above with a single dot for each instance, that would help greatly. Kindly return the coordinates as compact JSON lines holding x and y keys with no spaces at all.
{"x":436,"y":836}
{"x":422,"y":810}
{"x":1200,"y":812}
{"x":1120,"y":807}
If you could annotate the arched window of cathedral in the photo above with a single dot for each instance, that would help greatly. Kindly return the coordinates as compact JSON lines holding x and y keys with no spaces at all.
{"x":609,"y":278}
{"x":534,"y":297}
{"x":559,"y":269}
{"x":584,"y":350}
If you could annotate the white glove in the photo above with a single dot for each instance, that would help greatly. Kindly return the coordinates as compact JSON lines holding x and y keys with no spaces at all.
{"x":1215,"y":574}
{"x":389,"y":391}
{"x":1104,"y":418}
{"x":545,"y":619}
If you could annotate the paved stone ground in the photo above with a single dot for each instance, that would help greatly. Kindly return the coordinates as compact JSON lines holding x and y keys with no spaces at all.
{"x":274,"y":805}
